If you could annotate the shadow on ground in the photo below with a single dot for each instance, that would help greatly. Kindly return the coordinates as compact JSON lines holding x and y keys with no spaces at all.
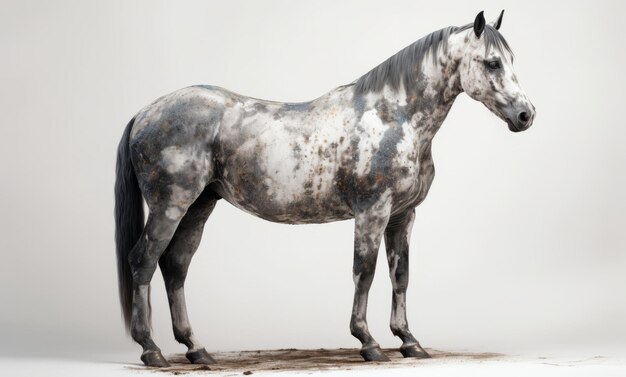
{"x":248,"y":362}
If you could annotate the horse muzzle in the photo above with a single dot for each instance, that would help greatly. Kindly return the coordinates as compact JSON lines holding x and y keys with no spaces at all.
{"x":520,"y":118}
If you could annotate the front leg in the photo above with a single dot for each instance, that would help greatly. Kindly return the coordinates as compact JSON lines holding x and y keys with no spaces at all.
{"x":370,"y":225}
{"x":397,"y":236}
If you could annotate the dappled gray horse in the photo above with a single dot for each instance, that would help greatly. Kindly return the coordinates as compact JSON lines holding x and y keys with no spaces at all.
{"x":361,"y":151}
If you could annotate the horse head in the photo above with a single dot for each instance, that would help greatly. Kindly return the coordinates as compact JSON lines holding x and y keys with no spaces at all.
{"x":487,"y":74}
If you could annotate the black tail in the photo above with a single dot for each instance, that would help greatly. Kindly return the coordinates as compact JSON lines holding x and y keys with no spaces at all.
{"x":129,"y":221}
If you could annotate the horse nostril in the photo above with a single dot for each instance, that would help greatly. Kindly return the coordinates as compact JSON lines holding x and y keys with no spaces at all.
{"x":523,"y":117}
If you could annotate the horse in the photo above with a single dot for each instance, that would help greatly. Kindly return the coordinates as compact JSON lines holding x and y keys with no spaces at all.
{"x":361,"y":151}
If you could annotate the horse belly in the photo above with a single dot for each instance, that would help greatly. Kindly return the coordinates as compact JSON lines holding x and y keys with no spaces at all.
{"x":283,"y":202}
{"x":305,"y":209}
{"x":287,"y":181}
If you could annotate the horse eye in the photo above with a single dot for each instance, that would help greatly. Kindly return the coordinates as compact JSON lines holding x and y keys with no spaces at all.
{"x":493,"y":64}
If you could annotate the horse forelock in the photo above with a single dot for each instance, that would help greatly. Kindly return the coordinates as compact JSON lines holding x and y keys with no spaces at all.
{"x":492,"y":39}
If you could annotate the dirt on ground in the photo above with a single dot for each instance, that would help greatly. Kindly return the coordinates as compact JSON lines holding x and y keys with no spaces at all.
{"x":249,"y":362}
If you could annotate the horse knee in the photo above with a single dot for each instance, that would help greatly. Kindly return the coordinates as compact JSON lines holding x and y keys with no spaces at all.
{"x":363,"y":272}
{"x":400,"y":285}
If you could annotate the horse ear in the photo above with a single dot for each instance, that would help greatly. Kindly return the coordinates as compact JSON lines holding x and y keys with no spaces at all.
{"x":498,"y":22}
{"x":479,"y":24}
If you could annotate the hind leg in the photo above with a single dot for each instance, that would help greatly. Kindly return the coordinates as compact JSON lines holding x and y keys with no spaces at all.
{"x":143,"y":261}
{"x":174,"y":265}
{"x":168,"y":204}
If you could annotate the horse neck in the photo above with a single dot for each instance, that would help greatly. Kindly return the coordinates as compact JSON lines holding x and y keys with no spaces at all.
{"x":438,"y":84}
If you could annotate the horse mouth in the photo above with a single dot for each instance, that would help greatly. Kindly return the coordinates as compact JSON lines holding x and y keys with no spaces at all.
{"x":514,"y":127}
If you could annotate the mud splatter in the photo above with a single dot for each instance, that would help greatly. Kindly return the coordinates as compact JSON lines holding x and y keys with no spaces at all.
{"x":249,"y":362}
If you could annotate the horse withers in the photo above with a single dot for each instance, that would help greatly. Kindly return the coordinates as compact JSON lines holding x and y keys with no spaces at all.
{"x":361,"y":151}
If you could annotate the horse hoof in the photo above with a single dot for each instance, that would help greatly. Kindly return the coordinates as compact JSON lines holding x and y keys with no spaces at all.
{"x":414,"y":350}
{"x":200,"y":356}
{"x":154,"y":359}
{"x":373,"y":354}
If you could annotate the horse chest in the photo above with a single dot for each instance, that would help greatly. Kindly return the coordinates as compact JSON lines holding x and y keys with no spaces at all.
{"x":425,"y":179}
{"x":411,"y":189}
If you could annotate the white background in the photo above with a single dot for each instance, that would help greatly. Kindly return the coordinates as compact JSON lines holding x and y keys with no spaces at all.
{"x":520,"y":244}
